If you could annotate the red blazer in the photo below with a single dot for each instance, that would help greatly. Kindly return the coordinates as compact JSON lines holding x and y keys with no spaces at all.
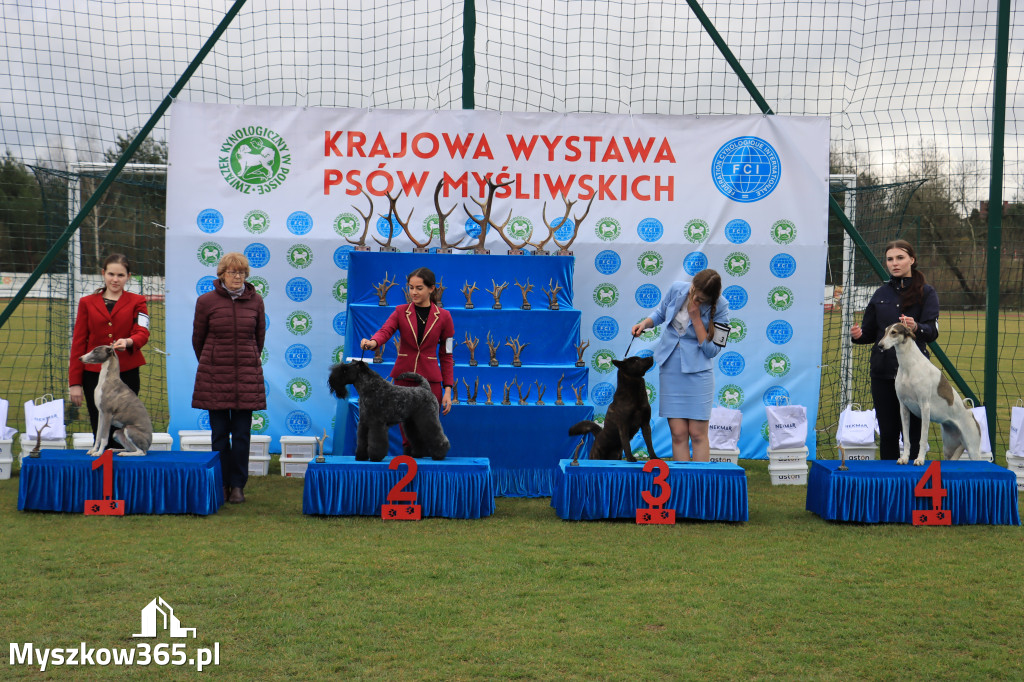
{"x":94,"y":326}
{"x":421,"y":358}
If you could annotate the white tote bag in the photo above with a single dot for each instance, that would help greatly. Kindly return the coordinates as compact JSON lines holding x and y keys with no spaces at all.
{"x":724,"y":428}
{"x":856,"y":427}
{"x":982,"y":418}
{"x":6,"y":432}
{"x":1017,"y":429}
{"x":787,"y":426}
{"x":47,"y":415}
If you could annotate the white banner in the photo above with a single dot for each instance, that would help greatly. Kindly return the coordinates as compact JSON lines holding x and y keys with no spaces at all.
{"x":745,"y":195}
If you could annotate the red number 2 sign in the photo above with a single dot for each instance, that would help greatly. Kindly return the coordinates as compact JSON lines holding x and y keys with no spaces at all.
{"x":936,"y":516}
{"x":106,"y":506}
{"x":653,"y":514}
{"x":402,"y":512}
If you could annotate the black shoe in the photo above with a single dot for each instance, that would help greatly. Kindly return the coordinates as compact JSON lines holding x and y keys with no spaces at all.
{"x":236,"y":496}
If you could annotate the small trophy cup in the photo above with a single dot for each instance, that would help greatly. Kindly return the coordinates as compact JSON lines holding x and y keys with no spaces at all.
{"x":517,"y":349}
{"x":467,"y":291}
{"x":525,"y":289}
{"x":496,"y":292}
{"x":320,"y":448}
{"x":580,"y":347}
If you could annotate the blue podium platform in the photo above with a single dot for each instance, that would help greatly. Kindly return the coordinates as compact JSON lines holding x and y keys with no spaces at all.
{"x":608,"y":489}
{"x":523,"y":443}
{"x":883,"y":492}
{"x":456,"y":488}
{"x":161,"y":482}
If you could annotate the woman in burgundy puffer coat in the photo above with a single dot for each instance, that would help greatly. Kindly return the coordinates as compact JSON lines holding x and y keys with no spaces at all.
{"x":227,"y":336}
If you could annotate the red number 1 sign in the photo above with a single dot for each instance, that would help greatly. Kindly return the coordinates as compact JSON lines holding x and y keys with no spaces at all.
{"x":106,"y":506}
{"x":402,"y":512}
{"x":654,"y":514}
{"x":936,"y":516}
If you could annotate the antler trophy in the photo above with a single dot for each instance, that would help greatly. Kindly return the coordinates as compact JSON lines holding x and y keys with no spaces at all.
{"x":360,"y":244}
{"x":418,"y":248}
{"x":563,"y":249}
{"x":455,"y":393}
{"x":540,"y":392}
{"x":495,"y":291}
{"x":492,"y":346}
{"x":467,"y":291}
{"x":393,"y":218}
{"x":508,"y":387}
{"x":558,"y":390}
{"x":320,"y":448}
{"x":578,"y":391}
{"x":522,"y":398}
{"x":441,"y":218}
{"x":487,"y":390}
{"x":471,"y":343}
{"x":552,"y":294}
{"x":382,"y":289}
{"x":471,"y":395}
{"x":525,"y":289}
{"x":580,"y":347}
{"x":440,"y":292}
{"x":486,"y":222}
{"x":517,"y":348}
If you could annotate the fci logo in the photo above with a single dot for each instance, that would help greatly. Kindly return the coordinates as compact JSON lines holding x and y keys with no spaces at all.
{"x":256,"y":222}
{"x":209,"y":253}
{"x":696,"y":231}
{"x":254,"y":159}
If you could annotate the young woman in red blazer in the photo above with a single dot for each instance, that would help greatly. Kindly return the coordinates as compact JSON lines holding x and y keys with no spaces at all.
{"x":110,"y":316}
{"x":426,"y":338}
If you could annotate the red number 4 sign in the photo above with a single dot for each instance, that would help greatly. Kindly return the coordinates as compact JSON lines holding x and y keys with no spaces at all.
{"x":936,"y":516}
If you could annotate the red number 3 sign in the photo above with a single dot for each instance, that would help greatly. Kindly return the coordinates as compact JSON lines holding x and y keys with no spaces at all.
{"x":653,"y":514}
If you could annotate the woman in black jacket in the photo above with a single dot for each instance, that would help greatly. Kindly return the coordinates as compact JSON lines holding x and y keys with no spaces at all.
{"x":905,"y":298}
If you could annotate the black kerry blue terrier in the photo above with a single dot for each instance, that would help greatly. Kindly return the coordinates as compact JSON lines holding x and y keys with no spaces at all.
{"x":382,"y":404}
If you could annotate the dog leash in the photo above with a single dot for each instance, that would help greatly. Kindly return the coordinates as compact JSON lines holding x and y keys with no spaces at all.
{"x":631,"y":340}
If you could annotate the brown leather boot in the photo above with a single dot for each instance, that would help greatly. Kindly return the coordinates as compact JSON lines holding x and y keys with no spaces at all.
{"x":236,"y":496}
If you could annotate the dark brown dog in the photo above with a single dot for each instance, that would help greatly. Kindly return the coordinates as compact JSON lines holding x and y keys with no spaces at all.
{"x":630,"y":411}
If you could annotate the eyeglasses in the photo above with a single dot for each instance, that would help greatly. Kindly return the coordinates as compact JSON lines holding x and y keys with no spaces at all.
{"x":234,"y":273}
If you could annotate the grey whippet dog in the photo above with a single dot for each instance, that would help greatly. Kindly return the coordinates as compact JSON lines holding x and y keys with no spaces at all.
{"x":118,"y":406}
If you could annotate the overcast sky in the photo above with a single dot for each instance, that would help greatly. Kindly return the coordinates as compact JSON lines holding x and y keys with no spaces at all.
{"x":891,"y":76}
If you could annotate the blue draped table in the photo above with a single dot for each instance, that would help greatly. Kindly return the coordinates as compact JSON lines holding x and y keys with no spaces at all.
{"x":603,"y":489}
{"x":883,"y":492}
{"x":524,"y":443}
{"x":456,"y":488}
{"x":161,"y":482}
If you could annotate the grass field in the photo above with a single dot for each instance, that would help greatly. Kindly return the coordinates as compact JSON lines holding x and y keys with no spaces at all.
{"x":519,"y":595}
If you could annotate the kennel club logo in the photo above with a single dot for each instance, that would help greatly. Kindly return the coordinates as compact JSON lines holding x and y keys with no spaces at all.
{"x":780,"y":298}
{"x":299,"y":322}
{"x":737,"y":264}
{"x":520,"y":228}
{"x":298,"y":389}
{"x":777,"y":365}
{"x":256,"y":222}
{"x":346,"y":225}
{"x":650,"y":263}
{"x":737,"y":330}
{"x":340,"y":291}
{"x":608,"y":229}
{"x":254,"y":159}
{"x":606,"y":295}
{"x":783,"y":232}
{"x":261,"y":285}
{"x":300,"y":256}
{"x":730,"y":395}
{"x":209,"y":253}
{"x":601,"y":361}
{"x":746,"y":169}
{"x":696,"y":231}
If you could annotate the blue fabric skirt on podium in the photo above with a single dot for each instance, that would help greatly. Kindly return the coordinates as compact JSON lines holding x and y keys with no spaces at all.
{"x":883,"y":492}
{"x":161,"y":482}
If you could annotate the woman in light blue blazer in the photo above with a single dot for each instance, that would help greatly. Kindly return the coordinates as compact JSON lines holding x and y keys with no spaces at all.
{"x":684,"y":357}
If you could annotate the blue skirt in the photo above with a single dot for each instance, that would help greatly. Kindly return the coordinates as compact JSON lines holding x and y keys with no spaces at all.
{"x":685,"y":396}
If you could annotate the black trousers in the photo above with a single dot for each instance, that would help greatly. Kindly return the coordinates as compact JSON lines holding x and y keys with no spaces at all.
{"x":230,"y":438}
{"x":89,"y":382}
{"x":890,"y":424}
